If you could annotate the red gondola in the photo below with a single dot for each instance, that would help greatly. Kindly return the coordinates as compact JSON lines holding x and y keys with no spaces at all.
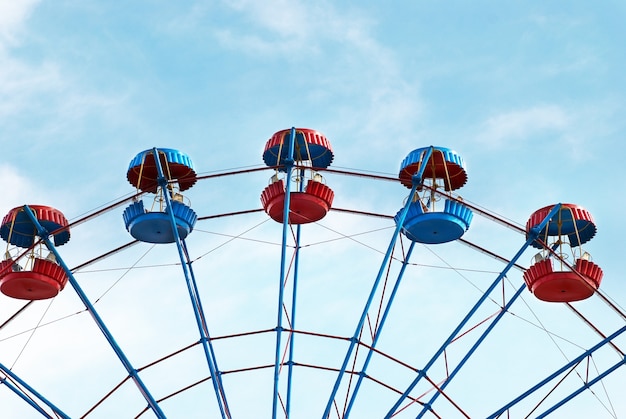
{"x":38,"y":277}
{"x":309,"y":202}
{"x":551,"y":278}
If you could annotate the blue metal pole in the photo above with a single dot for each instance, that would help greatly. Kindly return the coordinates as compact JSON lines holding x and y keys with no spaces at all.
{"x":560,"y":371}
{"x":289,"y":162}
{"x":427,"y":406}
{"x":44,"y":234}
{"x":380,"y":328}
{"x":193,"y":293}
{"x":26,"y":398}
{"x":218,"y":384}
{"x":416,"y":180}
{"x":482,"y":337}
{"x":292,"y":336}
{"x":582,"y":388}
{"x":293,"y":319}
{"x":532,"y":236}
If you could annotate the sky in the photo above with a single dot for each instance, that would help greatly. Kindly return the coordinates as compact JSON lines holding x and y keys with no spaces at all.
{"x":530,"y":94}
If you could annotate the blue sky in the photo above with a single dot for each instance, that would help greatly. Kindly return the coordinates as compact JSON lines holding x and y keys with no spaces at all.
{"x":530,"y":94}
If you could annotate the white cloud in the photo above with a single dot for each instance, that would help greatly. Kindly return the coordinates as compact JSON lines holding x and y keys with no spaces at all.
{"x":573,"y":132}
{"x":286,"y":18}
{"x":275,"y":37}
{"x":362,"y":81}
{"x":20,"y":83}
{"x":16,"y":189}
{"x":12,"y":15}
{"x":295,"y":29}
{"x":255,"y":44}
{"x":18,"y":80}
{"x":516,"y":128}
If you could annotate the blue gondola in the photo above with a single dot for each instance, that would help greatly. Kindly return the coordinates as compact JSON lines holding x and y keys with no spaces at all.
{"x":168,"y":175}
{"x":424,"y":222}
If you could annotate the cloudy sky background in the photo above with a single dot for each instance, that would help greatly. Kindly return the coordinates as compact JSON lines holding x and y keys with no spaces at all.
{"x":531,"y":95}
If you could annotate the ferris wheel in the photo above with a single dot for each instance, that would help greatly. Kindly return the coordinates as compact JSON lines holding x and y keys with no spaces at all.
{"x":299,"y":304}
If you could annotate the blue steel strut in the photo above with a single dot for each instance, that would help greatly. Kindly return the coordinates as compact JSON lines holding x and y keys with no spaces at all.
{"x":44,"y":235}
{"x":378,"y":331}
{"x":416,"y":181}
{"x":289,"y":163}
{"x":293,"y":308}
{"x":532,"y":236}
{"x":426,"y":406}
{"x":192,"y":287}
{"x":561,"y":370}
{"x":482,"y":337}
{"x":27,"y":398}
